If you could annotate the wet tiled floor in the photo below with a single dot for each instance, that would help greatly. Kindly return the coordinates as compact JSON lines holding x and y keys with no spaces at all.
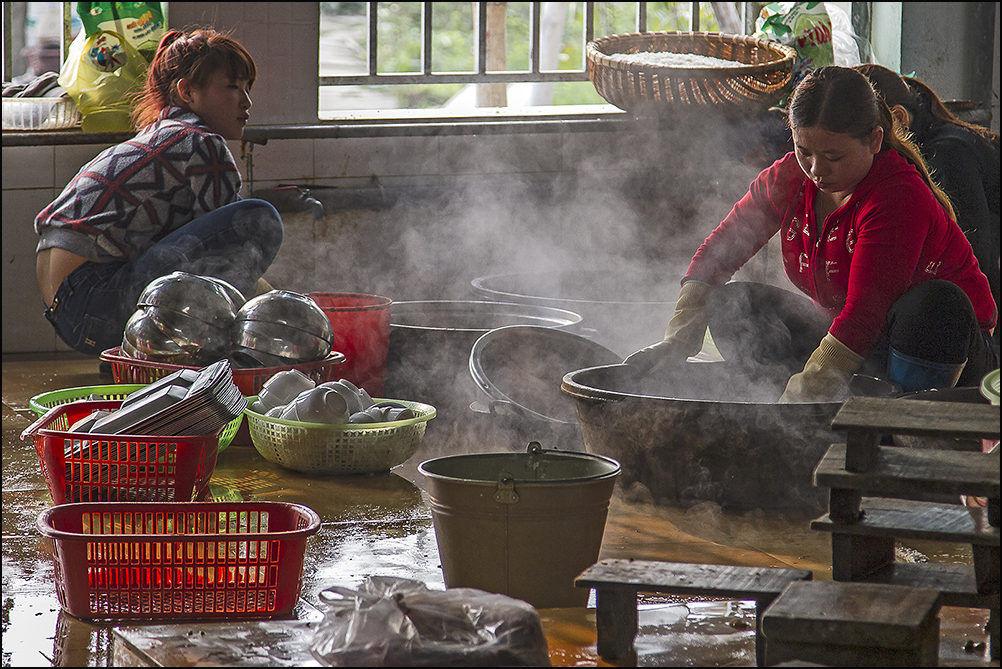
{"x":382,"y":525}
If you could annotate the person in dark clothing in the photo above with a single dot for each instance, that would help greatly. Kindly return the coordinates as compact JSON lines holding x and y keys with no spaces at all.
{"x":963,"y":159}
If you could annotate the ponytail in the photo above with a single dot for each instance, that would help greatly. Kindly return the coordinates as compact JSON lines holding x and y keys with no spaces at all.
{"x":193,"y":56}
{"x":898,"y":138}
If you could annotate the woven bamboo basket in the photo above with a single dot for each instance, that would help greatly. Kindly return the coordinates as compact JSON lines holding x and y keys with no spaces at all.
{"x":761,"y":74}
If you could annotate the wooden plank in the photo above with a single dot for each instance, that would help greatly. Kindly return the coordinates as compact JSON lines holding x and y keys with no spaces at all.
{"x":616,"y":624}
{"x":907,"y":471}
{"x":918,"y":417}
{"x":691,"y":579}
{"x":904,"y":519}
{"x":855,"y":556}
{"x":954,"y":582}
{"x":269,"y":643}
{"x":617,"y":583}
{"x":851,"y":614}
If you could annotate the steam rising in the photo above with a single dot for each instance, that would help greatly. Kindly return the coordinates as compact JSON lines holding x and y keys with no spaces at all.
{"x":623,"y":204}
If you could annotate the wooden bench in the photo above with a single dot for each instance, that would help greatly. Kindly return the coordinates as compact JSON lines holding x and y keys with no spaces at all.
{"x":866,"y":419}
{"x":877,"y":496}
{"x":617,"y":583}
{"x":852,"y":625}
{"x":865,"y":547}
{"x":908,"y":473}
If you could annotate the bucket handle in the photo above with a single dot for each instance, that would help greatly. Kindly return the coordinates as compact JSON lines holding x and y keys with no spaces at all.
{"x":505,"y":493}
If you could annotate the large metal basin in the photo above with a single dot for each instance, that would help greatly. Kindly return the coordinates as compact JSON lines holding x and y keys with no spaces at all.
{"x":623,"y":310}
{"x":430,"y":343}
{"x":702,"y":433}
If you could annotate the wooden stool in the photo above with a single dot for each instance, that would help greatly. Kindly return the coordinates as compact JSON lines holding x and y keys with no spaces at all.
{"x":880,"y":494}
{"x":617,"y":583}
{"x":853,"y":624}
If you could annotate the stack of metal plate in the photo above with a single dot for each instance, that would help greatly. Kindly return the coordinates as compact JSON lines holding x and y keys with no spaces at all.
{"x":187,"y":402}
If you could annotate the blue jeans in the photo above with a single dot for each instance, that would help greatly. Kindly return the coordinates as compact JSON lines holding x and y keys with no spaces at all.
{"x":236,"y":243}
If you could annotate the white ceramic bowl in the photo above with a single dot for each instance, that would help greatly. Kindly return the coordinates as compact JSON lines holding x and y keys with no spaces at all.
{"x":283,"y":387}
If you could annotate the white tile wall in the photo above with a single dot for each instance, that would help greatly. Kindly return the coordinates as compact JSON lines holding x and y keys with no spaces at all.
{"x":501,"y":154}
{"x":28,"y":167}
{"x":321,"y":254}
{"x":24,"y":326}
{"x":360,"y":157}
{"x":287,"y":160}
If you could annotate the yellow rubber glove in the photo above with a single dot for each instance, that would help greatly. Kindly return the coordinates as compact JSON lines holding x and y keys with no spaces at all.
{"x":686,"y":329}
{"x":826,"y":374}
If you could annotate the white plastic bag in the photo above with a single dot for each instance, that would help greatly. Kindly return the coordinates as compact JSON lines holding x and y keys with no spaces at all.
{"x":394,"y":622}
{"x":845,"y":44}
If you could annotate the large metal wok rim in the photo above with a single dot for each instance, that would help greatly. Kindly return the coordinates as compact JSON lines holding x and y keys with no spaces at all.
{"x":483,"y":380}
{"x":478,"y":285}
{"x":560,"y":318}
{"x":579,"y":390}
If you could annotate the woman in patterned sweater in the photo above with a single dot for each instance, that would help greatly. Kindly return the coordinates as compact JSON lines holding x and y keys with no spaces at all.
{"x":167,"y":200}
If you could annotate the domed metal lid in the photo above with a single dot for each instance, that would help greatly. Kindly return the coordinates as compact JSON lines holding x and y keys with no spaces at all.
{"x":288,"y":308}
{"x":192,"y":295}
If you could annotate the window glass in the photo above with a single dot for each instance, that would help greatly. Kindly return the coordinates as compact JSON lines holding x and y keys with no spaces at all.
{"x":344,"y":30}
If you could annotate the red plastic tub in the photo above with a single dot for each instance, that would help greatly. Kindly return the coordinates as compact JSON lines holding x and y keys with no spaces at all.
{"x":206,"y":560}
{"x":362,"y":332}
{"x":82,"y":467}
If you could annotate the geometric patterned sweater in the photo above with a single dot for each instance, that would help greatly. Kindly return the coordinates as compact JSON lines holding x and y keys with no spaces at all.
{"x":134,"y":193}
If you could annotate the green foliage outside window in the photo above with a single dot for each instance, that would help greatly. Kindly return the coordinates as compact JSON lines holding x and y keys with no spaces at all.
{"x":454,"y":41}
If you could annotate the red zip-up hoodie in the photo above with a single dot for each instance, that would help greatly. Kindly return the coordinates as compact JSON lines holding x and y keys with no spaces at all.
{"x":891,"y":235}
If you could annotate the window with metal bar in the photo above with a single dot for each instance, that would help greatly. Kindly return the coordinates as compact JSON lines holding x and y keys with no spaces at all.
{"x":415,"y":56}
{"x":456,"y":56}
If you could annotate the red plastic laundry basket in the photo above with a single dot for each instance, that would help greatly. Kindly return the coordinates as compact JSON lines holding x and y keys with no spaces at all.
{"x":249,"y":379}
{"x":179,"y":560}
{"x":82,"y":467}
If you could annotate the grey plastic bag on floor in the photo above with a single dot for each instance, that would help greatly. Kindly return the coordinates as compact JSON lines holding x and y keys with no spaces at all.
{"x":394,"y":622}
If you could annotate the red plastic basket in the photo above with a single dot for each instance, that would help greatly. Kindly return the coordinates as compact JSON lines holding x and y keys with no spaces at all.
{"x":179,"y":560}
{"x":80,"y":467}
{"x":248,"y":380}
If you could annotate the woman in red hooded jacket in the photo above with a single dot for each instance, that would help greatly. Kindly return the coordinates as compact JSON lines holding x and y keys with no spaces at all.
{"x":866,"y":235}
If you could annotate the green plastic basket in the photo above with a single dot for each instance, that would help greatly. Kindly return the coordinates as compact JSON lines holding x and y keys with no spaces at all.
{"x":319,"y":448}
{"x":990,"y":387}
{"x":45,"y":401}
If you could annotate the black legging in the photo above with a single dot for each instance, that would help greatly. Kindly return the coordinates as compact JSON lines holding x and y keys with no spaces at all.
{"x":762,"y":327}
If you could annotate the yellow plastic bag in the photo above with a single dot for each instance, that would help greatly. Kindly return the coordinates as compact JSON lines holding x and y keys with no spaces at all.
{"x":102,"y":74}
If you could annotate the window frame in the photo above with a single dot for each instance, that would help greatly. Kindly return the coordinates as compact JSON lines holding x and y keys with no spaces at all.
{"x":480,"y":75}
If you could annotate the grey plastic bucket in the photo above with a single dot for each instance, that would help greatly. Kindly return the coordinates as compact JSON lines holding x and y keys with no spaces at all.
{"x":520,"y":524}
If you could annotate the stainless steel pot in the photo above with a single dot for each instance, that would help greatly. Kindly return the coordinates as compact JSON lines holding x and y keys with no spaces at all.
{"x":518,"y":370}
{"x":430,"y":344}
{"x":624,"y":310}
{"x":289,"y":309}
{"x":280,"y":340}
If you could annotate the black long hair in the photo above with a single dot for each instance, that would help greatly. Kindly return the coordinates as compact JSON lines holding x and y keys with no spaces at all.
{"x":842,"y":100}
{"x":928,"y":112}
